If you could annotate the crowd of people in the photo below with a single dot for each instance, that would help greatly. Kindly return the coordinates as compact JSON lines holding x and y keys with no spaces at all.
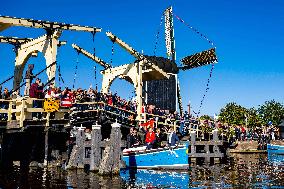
{"x":153,"y":135}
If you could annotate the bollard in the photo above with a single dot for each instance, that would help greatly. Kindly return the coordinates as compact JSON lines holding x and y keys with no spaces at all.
{"x":78,"y":152}
{"x":111,"y":157}
{"x":192,"y":142}
{"x":95,"y":147}
{"x":80,"y":140}
{"x":215,"y":135}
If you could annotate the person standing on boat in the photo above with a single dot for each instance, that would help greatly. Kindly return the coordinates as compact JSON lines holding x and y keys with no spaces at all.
{"x":135,"y":139}
{"x":158,"y":140}
{"x":129,"y":137}
{"x":173,"y":138}
{"x":150,"y":139}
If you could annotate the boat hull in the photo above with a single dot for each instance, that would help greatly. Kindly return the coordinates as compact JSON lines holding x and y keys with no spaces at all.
{"x":275,"y":149}
{"x":162,"y":158}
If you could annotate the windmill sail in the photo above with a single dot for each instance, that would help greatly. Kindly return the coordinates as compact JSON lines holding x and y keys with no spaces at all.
{"x":199,"y":59}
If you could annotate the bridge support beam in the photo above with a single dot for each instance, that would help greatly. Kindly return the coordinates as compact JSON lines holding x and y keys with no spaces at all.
{"x":47,"y":44}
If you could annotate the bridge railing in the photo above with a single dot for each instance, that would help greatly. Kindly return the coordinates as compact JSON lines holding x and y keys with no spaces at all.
{"x":24,"y":108}
{"x":122,"y":115}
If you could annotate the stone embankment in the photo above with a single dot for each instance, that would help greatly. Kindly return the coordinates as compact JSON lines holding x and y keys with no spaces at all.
{"x":252,"y":146}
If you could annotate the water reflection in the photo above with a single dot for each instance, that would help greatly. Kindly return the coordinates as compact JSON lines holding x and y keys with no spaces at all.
{"x":243,"y":171}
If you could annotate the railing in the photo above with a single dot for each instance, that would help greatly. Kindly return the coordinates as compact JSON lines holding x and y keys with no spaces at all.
{"x":24,"y":109}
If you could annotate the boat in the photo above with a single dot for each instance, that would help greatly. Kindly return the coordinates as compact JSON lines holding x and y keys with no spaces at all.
{"x":161,"y":158}
{"x":275,"y":149}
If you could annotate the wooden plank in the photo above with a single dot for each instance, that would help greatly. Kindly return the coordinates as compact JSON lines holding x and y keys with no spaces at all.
{"x":6,"y":21}
{"x":207,"y":143}
{"x":91,"y":56}
{"x":35,"y":110}
{"x":13,"y":40}
{"x":206,"y":155}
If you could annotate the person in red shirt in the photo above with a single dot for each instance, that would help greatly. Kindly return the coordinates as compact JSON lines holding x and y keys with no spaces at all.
{"x":150,"y":139}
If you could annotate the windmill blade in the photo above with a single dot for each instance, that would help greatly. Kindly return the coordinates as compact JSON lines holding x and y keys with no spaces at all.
{"x":199,"y":59}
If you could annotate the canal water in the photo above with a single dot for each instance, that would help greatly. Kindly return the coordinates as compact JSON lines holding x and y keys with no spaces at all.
{"x":242,"y":171}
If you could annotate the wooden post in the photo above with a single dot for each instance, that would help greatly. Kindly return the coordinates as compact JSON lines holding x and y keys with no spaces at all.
{"x":192,"y":142}
{"x":207,"y":151}
{"x":192,"y":146}
{"x":10,"y":111}
{"x":47,"y":119}
{"x":95,"y":148}
{"x":80,"y":140}
{"x":22,"y":115}
{"x":111,"y":157}
{"x":116,"y":143}
{"x":45,"y":163}
{"x":77,"y":155}
{"x":215,"y":135}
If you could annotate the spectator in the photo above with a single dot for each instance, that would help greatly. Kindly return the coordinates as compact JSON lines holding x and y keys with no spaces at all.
{"x":158,"y":141}
{"x":150,"y":139}
{"x":129,"y":138}
{"x":173,"y":138}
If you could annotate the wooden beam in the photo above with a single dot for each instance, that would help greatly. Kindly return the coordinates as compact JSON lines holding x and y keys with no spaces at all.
{"x":14,"y":40}
{"x":6,"y":21}
{"x":124,"y":45}
{"x":92,"y":57}
{"x":4,"y":26}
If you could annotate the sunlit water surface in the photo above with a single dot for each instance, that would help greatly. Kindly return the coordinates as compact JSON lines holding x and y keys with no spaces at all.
{"x":244,"y":171}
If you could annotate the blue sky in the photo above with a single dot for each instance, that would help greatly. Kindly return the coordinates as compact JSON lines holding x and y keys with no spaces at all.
{"x":248,"y":36}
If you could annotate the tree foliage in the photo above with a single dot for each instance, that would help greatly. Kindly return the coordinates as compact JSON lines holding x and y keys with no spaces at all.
{"x":233,"y":114}
{"x":253,"y":118}
{"x":206,"y":117}
{"x":271,"y":111}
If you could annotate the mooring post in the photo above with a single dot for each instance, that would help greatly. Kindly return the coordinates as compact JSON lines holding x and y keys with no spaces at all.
{"x":215,"y":135}
{"x":215,"y":147}
{"x":111,"y":156}
{"x":80,"y":140}
{"x":207,"y":151}
{"x":95,"y":147}
{"x":116,"y":143}
{"x":192,"y":145}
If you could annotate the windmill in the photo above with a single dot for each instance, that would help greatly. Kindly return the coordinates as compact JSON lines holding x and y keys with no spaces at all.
{"x":166,"y":93}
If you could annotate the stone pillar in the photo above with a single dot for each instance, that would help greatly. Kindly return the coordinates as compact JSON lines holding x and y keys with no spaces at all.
{"x":95,"y":147}
{"x":112,"y":154}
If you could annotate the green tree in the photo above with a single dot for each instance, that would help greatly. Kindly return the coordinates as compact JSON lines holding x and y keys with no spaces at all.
{"x":233,"y":114}
{"x":271,"y":111}
{"x":206,"y":117}
{"x":253,"y":118}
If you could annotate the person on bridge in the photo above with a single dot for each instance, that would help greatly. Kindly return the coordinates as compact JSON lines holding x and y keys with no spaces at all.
{"x":5,"y":105}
